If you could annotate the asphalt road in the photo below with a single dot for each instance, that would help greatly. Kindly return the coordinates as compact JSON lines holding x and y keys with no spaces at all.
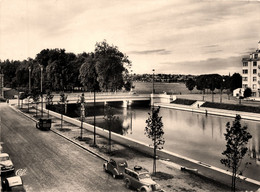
{"x":49,"y":162}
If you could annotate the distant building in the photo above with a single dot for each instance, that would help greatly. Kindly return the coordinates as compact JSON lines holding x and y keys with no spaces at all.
{"x":251,"y":72}
{"x":239,"y":92}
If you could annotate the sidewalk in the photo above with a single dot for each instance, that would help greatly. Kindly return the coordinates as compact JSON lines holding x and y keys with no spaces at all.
{"x":170,"y":177}
{"x":212,"y":111}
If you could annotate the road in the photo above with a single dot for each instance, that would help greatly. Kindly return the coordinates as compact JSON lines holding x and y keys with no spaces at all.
{"x":49,"y":162}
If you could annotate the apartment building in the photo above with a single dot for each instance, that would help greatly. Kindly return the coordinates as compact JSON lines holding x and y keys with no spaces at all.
{"x":251,"y":72}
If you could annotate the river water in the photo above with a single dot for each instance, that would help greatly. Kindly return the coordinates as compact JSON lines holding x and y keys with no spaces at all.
{"x":188,"y":134}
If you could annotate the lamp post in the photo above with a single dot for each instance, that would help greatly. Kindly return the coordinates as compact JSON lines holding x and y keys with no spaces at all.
{"x":95,"y":115}
{"x":30,"y":69}
{"x":222,"y":87}
{"x":153,"y":82}
{"x":41,"y":92}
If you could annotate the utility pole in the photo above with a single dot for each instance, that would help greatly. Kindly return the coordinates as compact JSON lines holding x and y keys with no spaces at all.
{"x":153,"y":82}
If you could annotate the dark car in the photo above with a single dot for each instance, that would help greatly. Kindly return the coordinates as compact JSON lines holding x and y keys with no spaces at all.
{"x":44,"y":124}
{"x":115,"y":166}
{"x":14,"y":183}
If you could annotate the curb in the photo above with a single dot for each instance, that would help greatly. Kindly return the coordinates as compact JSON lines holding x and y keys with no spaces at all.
{"x":76,"y":143}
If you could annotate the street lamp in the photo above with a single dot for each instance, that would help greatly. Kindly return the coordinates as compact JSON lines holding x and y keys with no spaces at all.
{"x":221,"y":89}
{"x":29,"y":86}
{"x":30,"y":69}
{"x":41,"y":92}
{"x":153,"y":82}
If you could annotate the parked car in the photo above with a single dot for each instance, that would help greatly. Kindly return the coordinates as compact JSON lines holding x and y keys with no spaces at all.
{"x":139,"y":178}
{"x":14,"y":183}
{"x":44,"y":124}
{"x":115,"y":166}
{"x":6,"y":163}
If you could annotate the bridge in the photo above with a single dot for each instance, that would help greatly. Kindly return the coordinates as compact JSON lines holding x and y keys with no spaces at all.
{"x":105,"y":97}
{"x":126,"y":98}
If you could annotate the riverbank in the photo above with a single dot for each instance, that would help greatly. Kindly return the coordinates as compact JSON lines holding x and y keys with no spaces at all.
{"x":229,"y":107}
{"x":171,"y":167}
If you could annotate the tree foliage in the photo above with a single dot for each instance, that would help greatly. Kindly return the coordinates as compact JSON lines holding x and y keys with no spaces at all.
{"x":190,"y":84}
{"x":110,"y":118}
{"x":88,"y":74}
{"x":110,"y":66}
{"x":105,"y":70}
{"x":237,"y":138}
{"x":154,"y":131}
{"x":248,"y":92}
{"x":235,"y":81}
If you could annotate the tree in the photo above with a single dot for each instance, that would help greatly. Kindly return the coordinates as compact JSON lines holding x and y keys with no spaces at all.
{"x":63,"y":101}
{"x":235,"y":81}
{"x":237,"y":138}
{"x":36,"y":97}
{"x":247,"y":92}
{"x":88,"y":74}
{"x":154,"y":131}
{"x":22,"y":96}
{"x":110,"y":65}
{"x":49,"y":98}
{"x":190,"y":84}
{"x":82,"y":113}
{"x":109,"y":117}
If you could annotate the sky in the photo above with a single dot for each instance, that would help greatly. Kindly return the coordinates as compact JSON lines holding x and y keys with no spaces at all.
{"x":169,"y":36}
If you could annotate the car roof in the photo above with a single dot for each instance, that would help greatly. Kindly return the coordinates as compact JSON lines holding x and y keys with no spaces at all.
{"x":138,"y":171}
{"x":4,"y":155}
{"x":118,"y":160}
{"x":14,"y":181}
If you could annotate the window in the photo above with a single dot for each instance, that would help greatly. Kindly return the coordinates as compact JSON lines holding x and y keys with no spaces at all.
{"x":245,"y":71}
{"x":244,"y":85}
{"x":244,"y":78}
{"x":254,"y":63}
{"x":254,"y":71}
{"x":254,"y":86}
{"x":254,"y":78}
{"x":245,"y":64}
{"x":255,"y":56}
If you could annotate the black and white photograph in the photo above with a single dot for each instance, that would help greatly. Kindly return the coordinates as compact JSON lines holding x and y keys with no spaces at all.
{"x":129,"y":95}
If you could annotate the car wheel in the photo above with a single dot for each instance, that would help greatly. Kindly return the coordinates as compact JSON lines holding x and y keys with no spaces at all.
{"x":114,"y":176}
{"x":143,"y":190}
{"x":127,"y":184}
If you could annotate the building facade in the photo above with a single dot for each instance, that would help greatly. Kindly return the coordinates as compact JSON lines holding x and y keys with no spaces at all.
{"x":251,"y":72}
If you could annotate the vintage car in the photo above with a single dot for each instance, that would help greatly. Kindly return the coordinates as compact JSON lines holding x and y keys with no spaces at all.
{"x":6,"y":163}
{"x":44,"y":124}
{"x":14,"y":183}
{"x":115,"y":166}
{"x":139,"y":178}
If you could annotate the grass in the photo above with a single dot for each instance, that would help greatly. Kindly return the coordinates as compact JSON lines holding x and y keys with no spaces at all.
{"x":184,"y":101}
{"x":233,"y":107}
{"x":161,"y":176}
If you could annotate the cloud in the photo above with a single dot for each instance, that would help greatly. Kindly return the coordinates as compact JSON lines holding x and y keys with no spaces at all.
{"x":210,"y":46}
{"x":148,"y":52}
{"x":212,"y":65}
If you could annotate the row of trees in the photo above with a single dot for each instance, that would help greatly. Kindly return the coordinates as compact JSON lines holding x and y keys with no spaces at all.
{"x":105,"y":69}
{"x":215,"y":81}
